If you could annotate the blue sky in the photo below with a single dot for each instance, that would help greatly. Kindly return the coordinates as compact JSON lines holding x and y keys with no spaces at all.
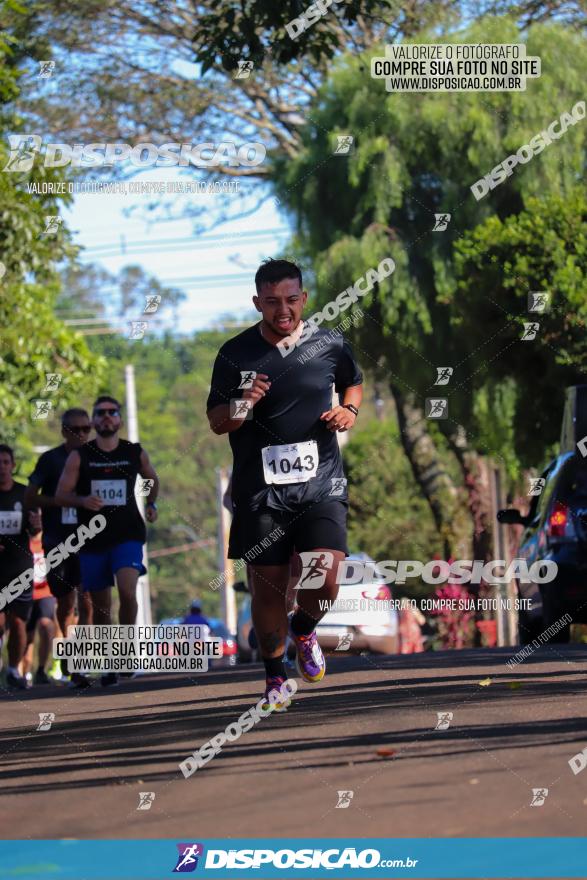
{"x":201,"y":266}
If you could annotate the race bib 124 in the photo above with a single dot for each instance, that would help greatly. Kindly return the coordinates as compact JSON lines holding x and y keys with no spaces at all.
{"x":10,"y":522}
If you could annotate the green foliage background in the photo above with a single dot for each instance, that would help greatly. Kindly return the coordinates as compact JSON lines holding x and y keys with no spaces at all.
{"x":457,"y":297}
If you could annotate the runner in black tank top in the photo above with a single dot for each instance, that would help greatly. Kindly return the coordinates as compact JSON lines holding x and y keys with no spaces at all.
{"x":110,"y":475}
{"x":101,"y":477}
{"x":59,"y":523}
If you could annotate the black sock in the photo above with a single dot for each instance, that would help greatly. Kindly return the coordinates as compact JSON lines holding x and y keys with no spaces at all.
{"x":275,"y":666}
{"x":302,"y":623}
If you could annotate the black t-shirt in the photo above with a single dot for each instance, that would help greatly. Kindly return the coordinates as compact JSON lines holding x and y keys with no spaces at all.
{"x":111,"y":476}
{"x":300,"y":392}
{"x":16,"y":556}
{"x":58,"y":522}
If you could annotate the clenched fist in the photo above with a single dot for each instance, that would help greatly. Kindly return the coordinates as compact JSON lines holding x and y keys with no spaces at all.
{"x":258,"y":389}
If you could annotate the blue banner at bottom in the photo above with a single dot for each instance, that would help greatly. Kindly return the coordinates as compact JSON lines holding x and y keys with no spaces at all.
{"x":501,"y":857}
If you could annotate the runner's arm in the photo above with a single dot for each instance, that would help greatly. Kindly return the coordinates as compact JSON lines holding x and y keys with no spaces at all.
{"x":348,"y":385}
{"x":220,"y":421}
{"x":219,"y":416}
{"x":33,"y":500}
{"x":32,"y":504}
{"x":223,"y":388}
{"x":340,"y":419}
{"x":226,"y":391}
{"x":37,"y":479}
{"x":353,"y":395}
{"x":148,"y":472}
{"x":65,"y":495}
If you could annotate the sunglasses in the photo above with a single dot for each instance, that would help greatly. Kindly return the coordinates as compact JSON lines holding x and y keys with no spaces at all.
{"x":106,"y":412}
{"x":78,"y":429}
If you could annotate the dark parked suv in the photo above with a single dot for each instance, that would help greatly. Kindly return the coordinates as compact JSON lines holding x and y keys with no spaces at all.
{"x":556,"y":529}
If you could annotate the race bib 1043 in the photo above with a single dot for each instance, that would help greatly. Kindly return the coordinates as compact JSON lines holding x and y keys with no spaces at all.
{"x":290,"y":463}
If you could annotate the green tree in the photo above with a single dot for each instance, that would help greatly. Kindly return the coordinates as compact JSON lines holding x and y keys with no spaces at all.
{"x":543,"y":248}
{"x":230,"y":30}
{"x":417,"y":155}
{"x":88,"y":289}
{"x":389,"y":518}
{"x":33,"y":341}
{"x":139,"y":65}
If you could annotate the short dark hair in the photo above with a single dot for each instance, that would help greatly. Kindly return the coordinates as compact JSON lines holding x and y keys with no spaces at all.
{"x":105,"y":398}
{"x":274,"y":271}
{"x":7,"y":449}
{"x":73,"y":413}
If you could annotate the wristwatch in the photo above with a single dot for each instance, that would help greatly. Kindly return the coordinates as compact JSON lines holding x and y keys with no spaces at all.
{"x":352,"y":408}
{"x":152,"y":504}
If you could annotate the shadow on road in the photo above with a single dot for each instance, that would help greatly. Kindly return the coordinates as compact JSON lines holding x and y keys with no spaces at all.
{"x":116,"y":741}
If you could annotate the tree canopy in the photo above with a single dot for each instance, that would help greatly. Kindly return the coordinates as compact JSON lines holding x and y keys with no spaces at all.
{"x":414,"y":157}
{"x":152,"y":72}
{"x":33,"y":340}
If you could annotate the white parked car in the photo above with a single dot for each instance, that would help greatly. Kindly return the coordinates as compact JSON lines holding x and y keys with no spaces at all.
{"x":360,"y":620}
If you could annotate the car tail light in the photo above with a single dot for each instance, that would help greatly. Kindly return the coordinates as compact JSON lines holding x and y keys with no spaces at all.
{"x":558,"y":521}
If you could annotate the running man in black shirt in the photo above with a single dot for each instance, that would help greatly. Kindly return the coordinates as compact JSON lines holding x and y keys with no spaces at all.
{"x":60,"y":522}
{"x":288,"y":486}
{"x":101,"y":476}
{"x":16,"y":560}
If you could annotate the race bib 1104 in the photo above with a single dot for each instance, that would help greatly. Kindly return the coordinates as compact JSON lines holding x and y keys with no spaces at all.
{"x":112,"y":492}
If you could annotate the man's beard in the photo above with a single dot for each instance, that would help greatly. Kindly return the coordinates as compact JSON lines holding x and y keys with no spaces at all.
{"x":106,"y":432}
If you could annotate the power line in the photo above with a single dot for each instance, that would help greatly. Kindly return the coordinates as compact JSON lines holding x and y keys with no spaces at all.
{"x":225,"y":280}
{"x":253,"y":233}
{"x":179,"y":244}
{"x":229,"y":276}
{"x":101,"y":331}
{"x":74,"y":322}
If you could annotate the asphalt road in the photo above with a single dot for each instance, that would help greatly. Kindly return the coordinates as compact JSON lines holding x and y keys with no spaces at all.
{"x":82,"y":778}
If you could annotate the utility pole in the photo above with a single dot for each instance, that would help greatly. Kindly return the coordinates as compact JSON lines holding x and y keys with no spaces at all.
{"x":343,"y":436}
{"x":144,"y":615}
{"x":379,"y":402}
{"x":225,"y":567}
{"x":507,"y":618}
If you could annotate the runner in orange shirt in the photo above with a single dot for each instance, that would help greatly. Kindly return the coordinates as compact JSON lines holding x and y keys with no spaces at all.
{"x":42,"y":617}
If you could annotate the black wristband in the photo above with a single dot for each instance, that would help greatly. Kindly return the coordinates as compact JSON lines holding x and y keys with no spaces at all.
{"x":352,"y":408}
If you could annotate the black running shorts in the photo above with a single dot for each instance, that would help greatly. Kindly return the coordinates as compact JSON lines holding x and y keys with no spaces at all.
{"x":269,"y":537}
{"x":21,"y":608}
{"x":22,"y":605}
{"x":65,"y":577}
{"x":41,"y":608}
